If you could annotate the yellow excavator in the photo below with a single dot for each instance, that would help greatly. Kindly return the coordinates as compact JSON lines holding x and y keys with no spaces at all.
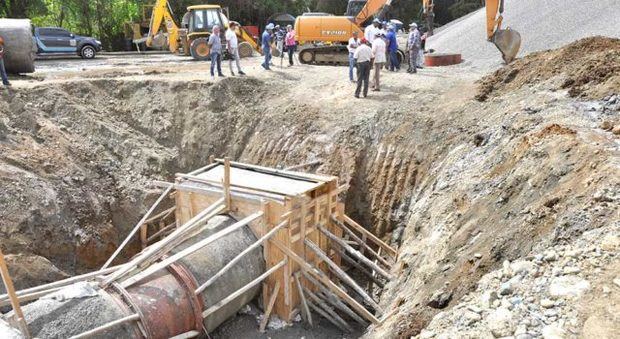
{"x":197,"y":25}
{"x":323,"y":38}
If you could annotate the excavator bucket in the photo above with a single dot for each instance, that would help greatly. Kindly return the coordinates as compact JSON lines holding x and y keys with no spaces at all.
{"x":508,"y":42}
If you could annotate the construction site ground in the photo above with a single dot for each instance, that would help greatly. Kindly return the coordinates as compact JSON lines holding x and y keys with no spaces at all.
{"x":462,"y":178}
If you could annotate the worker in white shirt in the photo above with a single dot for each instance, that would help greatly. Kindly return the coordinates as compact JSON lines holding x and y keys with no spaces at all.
{"x":362,"y":56}
{"x":371,"y":30}
{"x":379,"y":54}
{"x":233,"y":47}
{"x":354,"y":41}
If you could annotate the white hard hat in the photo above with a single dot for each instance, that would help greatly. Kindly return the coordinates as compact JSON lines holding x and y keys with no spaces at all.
{"x":376,"y":21}
{"x":413,"y":24}
{"x":269,"y":26}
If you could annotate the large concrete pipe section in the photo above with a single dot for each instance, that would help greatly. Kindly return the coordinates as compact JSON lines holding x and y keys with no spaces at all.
{"x":165,"y":302}
{"x":19,"y":46}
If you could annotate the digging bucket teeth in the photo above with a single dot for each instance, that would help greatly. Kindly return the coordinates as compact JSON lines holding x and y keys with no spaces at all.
{"x":508,"y":42}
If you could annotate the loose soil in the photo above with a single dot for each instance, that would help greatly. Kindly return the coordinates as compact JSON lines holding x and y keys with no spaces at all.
{"x":588,"y":68}
{"x":459,"y":185}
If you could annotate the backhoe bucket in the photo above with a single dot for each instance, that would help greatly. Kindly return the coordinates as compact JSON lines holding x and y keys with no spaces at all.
{"x":508,"y":42}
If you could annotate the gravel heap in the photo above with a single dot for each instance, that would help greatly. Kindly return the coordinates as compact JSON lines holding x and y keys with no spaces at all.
{"x":544,"y":295}
{"x":543,"y":25}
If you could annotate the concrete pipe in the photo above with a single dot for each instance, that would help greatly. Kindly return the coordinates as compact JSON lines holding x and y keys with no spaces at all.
{"x":165,"y":302}
{"x":19,"y":46}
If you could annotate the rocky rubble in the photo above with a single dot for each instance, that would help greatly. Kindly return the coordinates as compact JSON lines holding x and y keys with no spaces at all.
{"x":542,"y":295}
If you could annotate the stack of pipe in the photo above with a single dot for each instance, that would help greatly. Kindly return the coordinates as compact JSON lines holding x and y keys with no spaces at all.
{"x":19,"y":45}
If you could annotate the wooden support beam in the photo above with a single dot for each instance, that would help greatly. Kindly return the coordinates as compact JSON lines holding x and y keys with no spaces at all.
{"x":10,"y":289}
{"x":272,"y":301}
{"x":137,"y":227}
{"x":242,"y":290}
{"x":355,"y":253}
{"x":56,"y":285}
{"x":389,"y":250}
{"x":358,"y":266}
{"x":361,"y":242}
{"x":191,"y":249}
{"x":161,"y":231}
{"x":342,"y":274}
{"x":239,"y":256}
{"x":305,"y":311}
{"x":163,"y":214}
{"x":325,"y":280}
{"x":320,"y":311}
{"x":330,"y":311}
{"x":103,"y":328}
{"x":203,"y":216}
{"x":227,"y":183}
{"x":334,"y":300}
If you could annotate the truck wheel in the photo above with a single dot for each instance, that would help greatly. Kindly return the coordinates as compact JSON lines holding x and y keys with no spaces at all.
{"x":245,"y":50}
{"x":88,"y":52}
{"x":306,"y":57}
{"x":200,"y":49}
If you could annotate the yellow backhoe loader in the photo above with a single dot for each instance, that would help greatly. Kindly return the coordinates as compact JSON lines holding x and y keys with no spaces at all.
{"x":191,"y":38}
{"x":324,"y":38}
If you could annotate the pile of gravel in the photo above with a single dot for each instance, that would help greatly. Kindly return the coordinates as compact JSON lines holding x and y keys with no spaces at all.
{"x":543,"y":25}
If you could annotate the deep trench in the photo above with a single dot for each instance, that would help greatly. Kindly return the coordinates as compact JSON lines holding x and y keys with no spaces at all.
{"x":152,"y":130}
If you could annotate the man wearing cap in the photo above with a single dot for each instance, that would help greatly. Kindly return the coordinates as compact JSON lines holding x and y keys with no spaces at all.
{"x":393,"y":49}
{"x":413,"y":47}
{"x":215,"y":43}
{"x":233,"y":47}
{"x":371,"y":30}
{"x":266,"y":45}
{"x":378,"y":53}
{"x":354,"y":42}
{"x":5,"y":78}
{"x":362,"y":56}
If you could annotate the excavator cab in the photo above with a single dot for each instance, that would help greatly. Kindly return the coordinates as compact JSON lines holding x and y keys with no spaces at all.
{"x":199,"y":21}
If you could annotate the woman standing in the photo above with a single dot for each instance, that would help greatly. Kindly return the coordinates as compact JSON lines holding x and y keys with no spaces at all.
{"x":291,"y":44}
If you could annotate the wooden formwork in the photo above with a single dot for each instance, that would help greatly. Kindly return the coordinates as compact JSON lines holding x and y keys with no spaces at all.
{"x":301,"y":200}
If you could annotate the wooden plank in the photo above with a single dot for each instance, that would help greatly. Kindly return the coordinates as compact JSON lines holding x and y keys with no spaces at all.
{"x":359,"y":267}
{"x":391,"y":251}
{"x":333,"y":299}
{"x":272,"y":301}
{"x":328,"y":310}
{"x":161,"y":231}
{"x":242,"y":290}
{"x":148,"y":252}
{"x":137,"y":227}
{"x":320,"y":311}
{"x":325,"y":280}
{"x":239,"y":256}
{"x":103,"y":328}
{"x":356,"y":253}
{"x":189,"y":250}
{"x":305,"y":311}
{"x":342,"y":274}
{"x":228,"y":200}
{"x":163,"y":214}
{"x":10,"y":289}
{"x":283,"y":173}
{"x":361,"y":242}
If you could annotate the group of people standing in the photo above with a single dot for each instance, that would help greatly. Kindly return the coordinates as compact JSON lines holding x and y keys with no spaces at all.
{"x":378,"y":48}
{"x":285,"y":42}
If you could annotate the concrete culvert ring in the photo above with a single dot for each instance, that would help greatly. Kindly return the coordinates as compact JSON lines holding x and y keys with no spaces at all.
{"x":200,"y":49}
{"x":245,"y":50}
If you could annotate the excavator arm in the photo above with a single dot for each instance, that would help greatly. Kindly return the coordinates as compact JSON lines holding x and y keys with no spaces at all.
{"x":162,"y":13}
{"x":508,"y":41}
{"x":371,"y":8}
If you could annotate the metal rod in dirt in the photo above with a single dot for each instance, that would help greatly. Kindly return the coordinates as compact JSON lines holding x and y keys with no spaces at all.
{"x":242,"y":290}
{"x":195,"y":247}
{"x":137,"y":227}
{"x":107,"y":326}
{"x":239,"y":257}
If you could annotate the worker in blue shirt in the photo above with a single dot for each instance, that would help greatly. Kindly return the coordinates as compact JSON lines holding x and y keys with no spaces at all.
{"x":266,"y":45}
{"x":393,"y":49}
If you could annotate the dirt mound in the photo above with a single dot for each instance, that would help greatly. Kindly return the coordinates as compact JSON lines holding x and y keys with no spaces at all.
{"x":588,"y":68}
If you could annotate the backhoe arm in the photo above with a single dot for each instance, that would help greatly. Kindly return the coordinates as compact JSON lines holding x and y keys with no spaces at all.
{"x":371,"y":8}
{"x":495,"y":9}
{"x":162,"y":13}
{"x":508,"y":41}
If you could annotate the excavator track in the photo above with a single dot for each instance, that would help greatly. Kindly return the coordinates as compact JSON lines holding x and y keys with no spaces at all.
{"x":335,"y":55}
